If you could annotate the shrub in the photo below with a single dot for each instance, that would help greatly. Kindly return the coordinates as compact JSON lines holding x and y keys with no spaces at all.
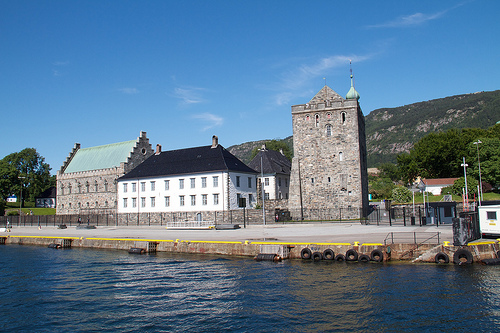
{"x":401,"y":194}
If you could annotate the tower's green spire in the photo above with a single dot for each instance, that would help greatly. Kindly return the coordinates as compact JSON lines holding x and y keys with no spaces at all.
{"x":352,"y":93}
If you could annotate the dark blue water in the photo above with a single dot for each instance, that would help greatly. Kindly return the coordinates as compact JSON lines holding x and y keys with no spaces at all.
{"x":82,"y":290}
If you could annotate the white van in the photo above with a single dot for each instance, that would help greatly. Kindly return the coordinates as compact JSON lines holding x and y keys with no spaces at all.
{"x":489,"y":221}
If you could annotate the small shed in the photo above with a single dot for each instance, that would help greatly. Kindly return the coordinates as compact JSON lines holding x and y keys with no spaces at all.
{"x":441,"y":212}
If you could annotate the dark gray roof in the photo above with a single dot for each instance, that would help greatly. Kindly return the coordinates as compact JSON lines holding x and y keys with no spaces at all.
{"x":187,"y":161}
{"x":272,"y":162}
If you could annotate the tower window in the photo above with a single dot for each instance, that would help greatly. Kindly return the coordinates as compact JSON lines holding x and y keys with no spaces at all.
{"x":307,"y":118}
{"x":341,"y":156}
{"x":343,"y":118}
{"x":316,"y":118}
{"x":328,"y":130}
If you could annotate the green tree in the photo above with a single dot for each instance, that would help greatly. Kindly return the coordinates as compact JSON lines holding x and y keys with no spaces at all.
{"x":2,"y":207}
{"x":401,"y":194}
{"x":389,"y":170}
{"x":381,"y":188}
{"x":489,"y":158}
{"x":275,"y":145}
{"x":26,"y":171}
{"x":459,"y":185}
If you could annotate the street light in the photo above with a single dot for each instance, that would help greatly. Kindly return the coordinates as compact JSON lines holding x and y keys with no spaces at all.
{"x":262,"y":184}
{"x":480,"y":182}
{"x":465,"y":176}
{"x":20,"y":197}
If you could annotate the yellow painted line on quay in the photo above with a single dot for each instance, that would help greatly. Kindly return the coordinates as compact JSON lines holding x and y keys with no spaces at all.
{"x":132,"y":239}
{"x":372,"y":244}
{"x":44,"y":237}
{"x":293,"y":243}
{"x":482,"y":243}
{"x":214,"y":242}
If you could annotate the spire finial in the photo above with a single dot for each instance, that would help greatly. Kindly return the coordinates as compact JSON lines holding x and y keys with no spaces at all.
{"x":352,"y":93}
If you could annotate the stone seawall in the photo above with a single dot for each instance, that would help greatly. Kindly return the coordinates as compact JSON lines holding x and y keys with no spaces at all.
{"x":394,"y":252}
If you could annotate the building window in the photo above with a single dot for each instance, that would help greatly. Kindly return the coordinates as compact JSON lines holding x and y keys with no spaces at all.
{"x":167,"y":185}
{"x":329,"y":115}
{"x":343,"y":118}
{"x":87,"y":186}
{"x":69,"y":189}
{"x":193,"y":182}
{"x":153,"y":201}
{"x":134,"y":202}
{"x":250,"y":198}
{"x":307,"y":118}
{"x":96,"y":204}
{"x":153,"y":186}
{"x":266,"y":195}
{"x":341,"y":156}
{"x":312,"y":180}
{"x":329,"y":179}
{"x":491,"y":215}
{"x":96,"y":186}
{"x":62,"y":190}
{"x":181,"y":200}
{"x":88,"y":205}
{"x":237,"y":181}
{"x":249,"y":182}
{"x":328,"y":130}
{"x":105,"y":204}
{"x":134,"y":187}
{"x":216,"y":181}
{"x":181,"y":184}
{"x":286,"y":182}
{"x":316,"y":118}
{"x":204,"y":199}
{"x":143,"y":202}
{"x":68,"y":205}
{"x":125,"y":203}
{"x":279,"y":181}
{"x":193,"y":200}
{"x":167,"y":201}
{"x":125,"y":188}
{"x":266,"y":181}
{"x":216,"y":199}
{"x":105,"y":186}
{"x":203,"y":182}
{"x":280,"y":195}
{"x":143,"y":186}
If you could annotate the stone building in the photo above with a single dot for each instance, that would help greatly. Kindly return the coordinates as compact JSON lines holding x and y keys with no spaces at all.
{"x":86,"y":183}
{"x":329,"y":170}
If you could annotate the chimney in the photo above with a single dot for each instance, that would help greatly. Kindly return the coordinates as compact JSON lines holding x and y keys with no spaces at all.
{"x":215,"y":141}
{"x":263,"y":147}
{"x":281,"y":151}
{"x":158,"y":149}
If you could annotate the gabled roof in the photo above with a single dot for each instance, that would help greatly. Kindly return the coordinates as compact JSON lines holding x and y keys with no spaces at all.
{"x":438,"y":181}
{"x":188,"y":161}
{"x":101,"y":157}
{"x":272,"y":162}
{"x":326,"y":93}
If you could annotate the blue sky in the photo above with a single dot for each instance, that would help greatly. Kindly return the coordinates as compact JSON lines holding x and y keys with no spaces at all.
{"x":99,"y":72}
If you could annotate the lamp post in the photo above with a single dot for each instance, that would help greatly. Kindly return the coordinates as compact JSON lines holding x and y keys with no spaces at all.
{"x":465,"y":165}
{"x":262,"y":185}
{"x":20,"y":197}
{"x":479,"y":164}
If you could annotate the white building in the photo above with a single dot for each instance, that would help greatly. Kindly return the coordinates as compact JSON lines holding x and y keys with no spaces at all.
{"x":274,"y":173}
{"x":195,"y":180}
{"x":435,"y":185}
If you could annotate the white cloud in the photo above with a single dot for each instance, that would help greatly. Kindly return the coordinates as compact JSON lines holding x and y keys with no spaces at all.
{"x":210,"y":120}
{"x":129,"y":91}
{"x":189,"y":95}
{"x":295,"y":79}
{"x":409,"y":20}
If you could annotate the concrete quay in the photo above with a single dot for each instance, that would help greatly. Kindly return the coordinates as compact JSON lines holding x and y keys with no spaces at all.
{"x":396,"y":242}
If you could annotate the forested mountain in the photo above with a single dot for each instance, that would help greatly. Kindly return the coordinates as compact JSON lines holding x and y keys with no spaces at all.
{"x":390,"y":131}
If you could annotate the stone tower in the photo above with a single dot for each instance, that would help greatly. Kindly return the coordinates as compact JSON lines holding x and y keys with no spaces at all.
{"x":329,"y":178}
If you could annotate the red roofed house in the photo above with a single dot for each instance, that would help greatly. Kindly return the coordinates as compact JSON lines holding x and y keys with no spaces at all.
{"x":434,"y":186}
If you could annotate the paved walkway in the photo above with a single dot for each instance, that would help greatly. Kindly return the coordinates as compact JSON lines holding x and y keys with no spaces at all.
{"x":293,"y":233}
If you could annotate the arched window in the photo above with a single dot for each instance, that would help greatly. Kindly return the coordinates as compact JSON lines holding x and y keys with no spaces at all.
{"x":328,"y":130}
{"x":329,"y":115}
{"x":87,"y":186}
{"x":62,"y":189}
{"x":341,"y":156}
{"x":96,"y":186}
{"x":316,"y":120}
{"x":105,"y":186}
{"x":343,"y":116}
{"x":307,"y":118}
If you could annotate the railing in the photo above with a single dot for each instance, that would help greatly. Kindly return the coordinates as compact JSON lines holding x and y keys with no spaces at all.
{"x":191,"y":225}
{"x":416,"y":238}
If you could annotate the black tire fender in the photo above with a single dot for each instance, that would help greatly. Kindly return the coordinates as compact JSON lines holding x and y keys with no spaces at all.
{"x":364,"y":258}
{"x":441,"y":258}
{"x":461,"y":254}
{"x":317,"y":256}
{"x":328,"y":254}
{"x":351,"y":255}
{"x":377,"y":255}
{"x":340,"y":257}
{"x":305,"y":253}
